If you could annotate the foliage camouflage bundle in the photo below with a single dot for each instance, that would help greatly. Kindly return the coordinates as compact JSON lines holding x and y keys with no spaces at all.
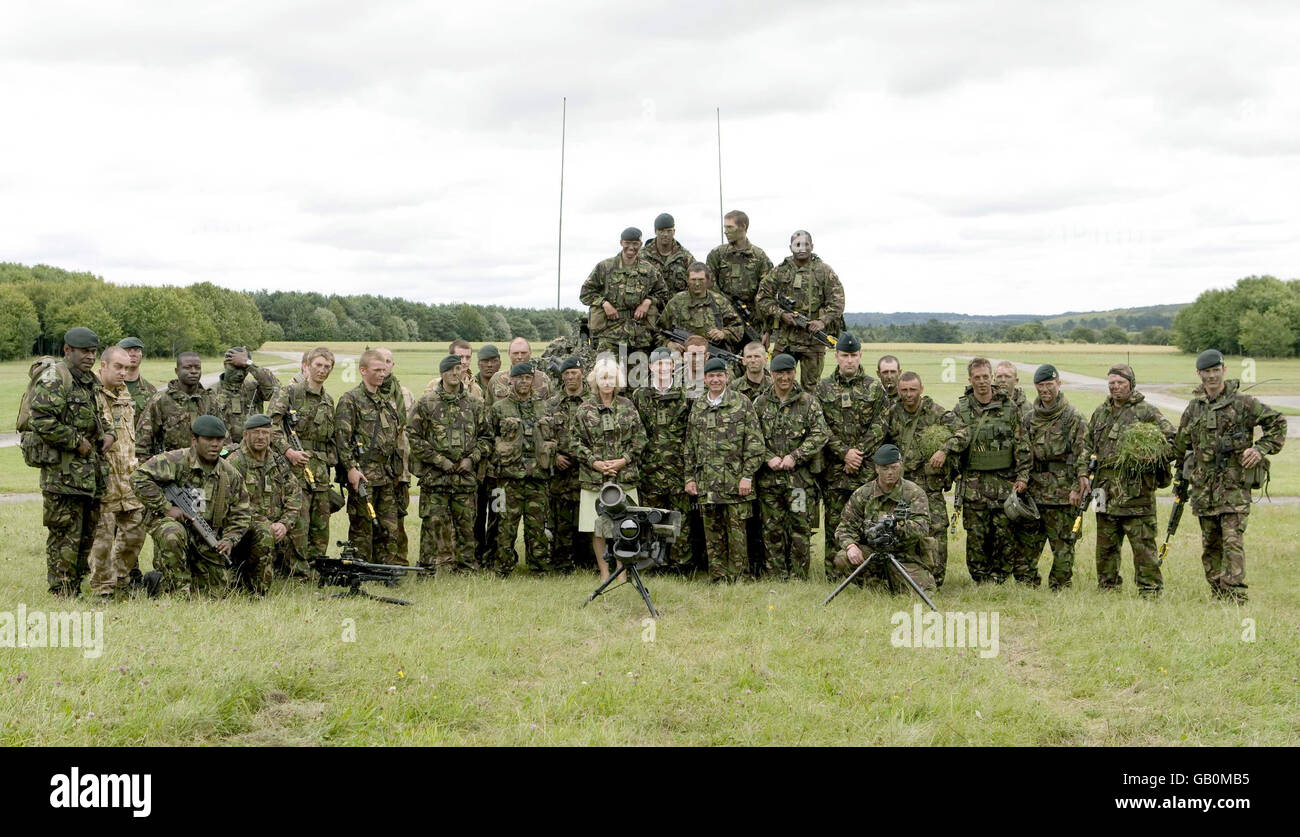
{"x":932,"y":438}
{"x":1142,"y":449}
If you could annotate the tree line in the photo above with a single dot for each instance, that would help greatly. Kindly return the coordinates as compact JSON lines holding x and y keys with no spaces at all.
{"x":1258,"y":316}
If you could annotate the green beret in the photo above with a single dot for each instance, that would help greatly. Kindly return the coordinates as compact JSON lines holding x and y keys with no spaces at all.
{"x":238,"y":349}
{"x":81,"y":338}
{"x":130,"y":343}
{"x":570,"y":362}
{"x":256,"y":420}
{"x":488,"y":352}
{"x":715,"y":364}
{"x":449,"y":362}
{"x":1124,"y":371}
{"x":887,"y":455}
{"x":208,"y":426}
{"x":518,"y":369}
{"x":1205,"y":360}
{"x":663,"y":222}
{"x":1046,"y":372}
{"x":661,"y":353}
{"x":630,"y":234}
{"x":848,"y":343}
{"x":782,"y":362}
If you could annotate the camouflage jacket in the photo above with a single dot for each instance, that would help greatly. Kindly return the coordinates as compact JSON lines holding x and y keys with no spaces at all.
{"x":904,"y":429}
{"x":524,"y":439}
{"x":403,"y":402}
{"x":501,"y":388}
{"x":562,"y":408}
{"x":748,"y":388}
{"x":226,"y":506}
{"x":119,"y":417}
{"x":315,"y":414}
{"x":1126,"y":496}
{"x":63,"y":414}
{"x":817,"y":293}
{"x":140,"y":392}
{"x":664,"y":414}
{"x":869,"y":504}
{"x":602,"y":433}
{"x":274,"y":492}
{"x":624,"y":287}
{"x":737,"y":272}
{"x":793,"y":427}
{"x":855,"y":411}
{"x":1058,"y":440}
{"x":672,"y":267}
{"x":1216,"y":432}
{"x":165,"y":422}
{"x":994,"y":451}
{"x":446,"y":428}
{"x":702,"y":315}
{"x":234,"y":400}
{"x":724,"y":443}
{"x":484,"y":390}
{"x":373,"y":422}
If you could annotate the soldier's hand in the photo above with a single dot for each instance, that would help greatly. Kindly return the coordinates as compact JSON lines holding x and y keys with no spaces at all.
{"x":854,"y":554}
{"x":787,"y":462}
{"x":239,"y":360}
{"x":774,"y":463}
{"x":562,"y":462}
{"x":716,"y":335}
{"x":84,"y":447}
{"x":816,"y":325}
{"x":465,"y":466}
{"x":278,"y":531}
{"x":936,"y":461}
{"x":176,"y":514}
{"x":616,"y":465}
{"x":1250,"y":458}
{"x":610,"y":310}
{"x":1075,"y":497}
{"x":852,"y":460}
{"x":354,"y":478}
{"x":224,"y":547}
{"x":692,"y":489}
{"x":1085,"y":486}
{"x":109,"y":441}
{"x":297,"y":458}
{"x":1019,"y":486}
{"x":746,"y":485}
{"x":640,"y":312}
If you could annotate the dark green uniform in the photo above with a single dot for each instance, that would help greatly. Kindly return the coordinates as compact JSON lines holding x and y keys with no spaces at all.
{"x":904,"y":429}
{"x":672,"y":267}
{"x":865,"y":508}
{"x":569,"y":549}
{"x":624,"y":287}
{"x":737,"y":271}
{"x":275,"y":496}
{"x":818,"y":294}
{"x":523,"y":460}
{"x":748,"y":388}
{"x":140,"y":390}
{"x":787,"y":500}
{"x":1058,"y":438}
{"x":700,"y":315}
{"x":315,"y":412}
{"x":239,"y":394}
{"x":164,"y":424}
{"x":366,"y":429}
{"x":663,"y":464}
{"x":447,"y":428}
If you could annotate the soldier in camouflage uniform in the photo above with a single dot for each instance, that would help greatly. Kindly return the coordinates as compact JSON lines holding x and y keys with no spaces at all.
{"x":1218,"y":429}
{"x":794,"y":433}
{"x":817,"y":294}
{"x":520,"y":352}
{"x":738,"y":266}
{"x":486,"y":520}
{"x":367,"y":426}
{"x":868,"y":505}
{"x":449,"y":438}
{"x":1058,"y":438}
{"x":308,"y":409}
{"x":165,"y":422}
{"x":625,"y":294}
{"x":275,"y":496}
{"x":854,"y":407}
{"x":244,"y":389}
{"x":463,"y":352}
{"x":667,"y":254}
{"x":569,"y":550}
{"x":995,"y":460}
{"x":755,"y":379}
{"x":907,"y":419}
{"x":70,"y":442}
{"x":700,"y":310}
{"x":888,"y":370}
{"x":120,"y":532}
{"x":1130,"y":503}
{"x":664,"y":410}
{"x":403,"y":402}
{"x":724,"y":450}
{"x":1007,"y":378}
{"x":523,"y":460}
{"x":136,"y":383}
{"x":183,"y":562}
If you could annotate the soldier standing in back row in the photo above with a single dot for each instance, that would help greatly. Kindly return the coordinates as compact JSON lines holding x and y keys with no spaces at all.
{"x":817,"y":294}
{"x":625,"y":294}
{"x":668,"y":254}
{"x":701,"y":310}
{"x":739,"y":266}
{"x":244,"y":389}
{"x":135,"y":383}
{"x":1218,"y":429}
{"x":367,"y":425}
{"x":165,"y":422}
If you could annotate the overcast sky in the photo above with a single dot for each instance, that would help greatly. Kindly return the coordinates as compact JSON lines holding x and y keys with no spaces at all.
{"x":978,"y":157}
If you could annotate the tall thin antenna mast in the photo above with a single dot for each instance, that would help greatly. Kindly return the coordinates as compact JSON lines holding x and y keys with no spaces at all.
{"x":721,"y":233}
{"x":559,"y":246}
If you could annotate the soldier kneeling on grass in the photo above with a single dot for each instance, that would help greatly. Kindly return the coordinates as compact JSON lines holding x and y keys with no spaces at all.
{"x":183,"y":561}
{"x":911,"y":544}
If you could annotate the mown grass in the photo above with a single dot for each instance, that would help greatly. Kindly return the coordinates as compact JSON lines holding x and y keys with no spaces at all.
{"x":520,"y":662}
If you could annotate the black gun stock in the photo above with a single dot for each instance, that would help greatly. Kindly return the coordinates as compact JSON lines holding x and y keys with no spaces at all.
{"x":182,"y":499}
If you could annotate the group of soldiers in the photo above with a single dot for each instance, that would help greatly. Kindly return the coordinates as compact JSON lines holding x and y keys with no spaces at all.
{"x":755,"y":458}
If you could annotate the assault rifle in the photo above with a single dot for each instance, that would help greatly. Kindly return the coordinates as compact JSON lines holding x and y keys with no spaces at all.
{"x":747,"y":317}
{"x":363,"y":486}
{"x":882,"y":538}
{"x":1083,"y":504}
{"x":347,"y":571}
{"x":681,"y":335}
{"x":802,"y":320}
{"x":1175,"y":517}
{"x":956,"y":507}
{"x":190,"y":502}
{"x":291,"y":433}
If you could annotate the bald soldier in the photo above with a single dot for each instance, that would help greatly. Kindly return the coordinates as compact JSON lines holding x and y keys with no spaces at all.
{"x":520,"y":352}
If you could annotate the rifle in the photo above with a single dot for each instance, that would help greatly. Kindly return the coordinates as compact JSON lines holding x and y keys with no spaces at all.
{"x":363,"y":485}
{"x":956,"y":507}
{"x":347,"y":571}
{"x":1083,"y":504}
{"x":884,"y":535}
{"x":801,"y":320}
{"x":291,"y":432}
{"x":680,"y":335}
{"x":746,"y":317}
{"x":190,"y":502}
{"x":1180,"y":500}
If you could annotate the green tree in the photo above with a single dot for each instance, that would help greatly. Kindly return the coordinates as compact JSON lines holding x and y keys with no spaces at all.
{"x":19,"y":325}
{"x":1266,"y":334}
{"x":470,"y":324}
{"x":61,"y":315}
{"x":1154,"y":336}
{"x":1083,"y":334}
{"x":234,"y":315}
{"x":1113,"y":334}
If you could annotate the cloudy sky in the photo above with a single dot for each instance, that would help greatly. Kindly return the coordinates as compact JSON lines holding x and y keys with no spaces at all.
{"x":980,"y":157}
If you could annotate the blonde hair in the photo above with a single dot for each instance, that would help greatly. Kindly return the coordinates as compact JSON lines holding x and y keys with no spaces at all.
{"x":605,"y":366}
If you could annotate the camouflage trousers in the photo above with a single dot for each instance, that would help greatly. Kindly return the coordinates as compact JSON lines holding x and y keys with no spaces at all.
{"x":571,"y":548}
{"x":71,"y":520}
{"x":681,"y":555}
{"x":530,"y":500}
{"x":375,"y":544}
{"x":1141,"y":532}
{"x":316,"y":516}
{"x":116,"y":551}
{"x":189,"y":566}
{"x":724,"y":539}
{"x":881,"y":573}
{"x":787,"y":526}
{"x":487,"y":522}
{"x":1223,"y":553}
{"x":402,"y":499}
{"x":447,"y":529}
{"x":253,"y":558}
{"x":992,"y":553}
{"x":1055,"y":526}
{"x":939,"y":534}
{"x":810,"y":365}
{"x":833,"y":501}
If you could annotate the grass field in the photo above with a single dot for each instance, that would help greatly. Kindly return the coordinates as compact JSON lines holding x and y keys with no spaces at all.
{"x":519,"y":661}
